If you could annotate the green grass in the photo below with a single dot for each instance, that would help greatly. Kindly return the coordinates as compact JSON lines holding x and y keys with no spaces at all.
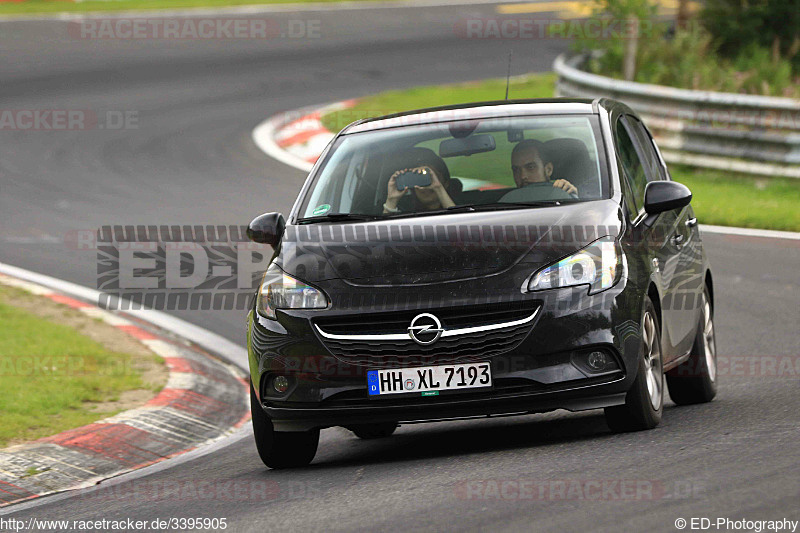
{"x":728,"y":199}
{"x":721,"y":198}
{"x":534,"y":86}
{"x":50,"y":376}
{"x":28,"y":7}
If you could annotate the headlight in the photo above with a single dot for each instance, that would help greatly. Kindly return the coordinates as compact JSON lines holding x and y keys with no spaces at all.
{"x":599,"y":265}
{"x":281,"y":291}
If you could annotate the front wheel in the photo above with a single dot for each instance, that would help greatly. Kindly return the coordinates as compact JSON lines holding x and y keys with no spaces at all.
{"x":278,"y":449}
{"x":644,"y":401}
{"x":695,"y":380}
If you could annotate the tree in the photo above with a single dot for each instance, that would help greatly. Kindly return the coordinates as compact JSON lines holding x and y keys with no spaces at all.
{"x":633,"y":15}
{"x":739,"y":24}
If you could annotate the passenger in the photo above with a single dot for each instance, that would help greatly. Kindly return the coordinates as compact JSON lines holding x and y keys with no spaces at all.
{"x":434,"y":196}
{"x":531,"y":163}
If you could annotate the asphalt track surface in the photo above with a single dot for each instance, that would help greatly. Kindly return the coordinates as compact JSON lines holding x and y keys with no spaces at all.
{"x":191,"y":161}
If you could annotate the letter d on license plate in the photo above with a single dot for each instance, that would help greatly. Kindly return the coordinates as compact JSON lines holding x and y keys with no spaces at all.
{"x":429,"y":380}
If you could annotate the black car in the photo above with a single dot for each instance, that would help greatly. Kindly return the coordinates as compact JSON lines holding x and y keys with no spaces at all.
{"x":490,"y":259}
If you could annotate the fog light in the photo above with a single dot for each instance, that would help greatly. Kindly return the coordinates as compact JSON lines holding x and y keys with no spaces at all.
{"x":280,"y":384}
{"x":598,"y":361}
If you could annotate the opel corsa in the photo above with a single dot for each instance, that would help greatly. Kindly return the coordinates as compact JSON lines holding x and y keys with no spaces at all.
{"x":469,"y":261}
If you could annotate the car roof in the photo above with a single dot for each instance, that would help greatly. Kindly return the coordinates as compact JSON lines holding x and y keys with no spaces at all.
{"x":480,"y":110}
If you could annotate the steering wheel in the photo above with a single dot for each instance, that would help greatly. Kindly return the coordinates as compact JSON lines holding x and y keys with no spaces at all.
{"x":558,"y":192}
{"x":534,"y":192}
{"x":554,"y":193}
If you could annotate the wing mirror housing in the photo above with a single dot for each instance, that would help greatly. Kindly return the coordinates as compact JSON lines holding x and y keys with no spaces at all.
{"x":661,"y":196}
{"x":267,"y":229}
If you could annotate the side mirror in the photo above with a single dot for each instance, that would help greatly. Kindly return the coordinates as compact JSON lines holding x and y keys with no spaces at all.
{"x":660,"y":196}
{"x":266,"y":229}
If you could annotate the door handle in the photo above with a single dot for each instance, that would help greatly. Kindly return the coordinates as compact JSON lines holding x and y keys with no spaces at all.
{"x":692,"y":222}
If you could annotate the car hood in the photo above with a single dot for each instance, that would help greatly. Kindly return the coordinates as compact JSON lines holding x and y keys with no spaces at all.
{"x":439,"y":248}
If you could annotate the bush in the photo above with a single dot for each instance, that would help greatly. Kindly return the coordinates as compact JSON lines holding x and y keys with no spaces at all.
{"x":739,"y":25}
{"x":690,"y":58}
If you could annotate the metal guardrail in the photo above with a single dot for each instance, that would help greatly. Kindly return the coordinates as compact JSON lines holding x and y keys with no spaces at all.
{"x":742,"y":133}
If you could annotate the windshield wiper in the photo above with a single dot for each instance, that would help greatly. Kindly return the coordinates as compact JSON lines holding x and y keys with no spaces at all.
{"x":481,"y":207}
{"x":360,"y":217}
{"x":338,"y":217}
{"x":510,"y":205}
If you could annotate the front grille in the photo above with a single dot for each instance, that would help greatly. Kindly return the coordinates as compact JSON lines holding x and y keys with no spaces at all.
{"x":446,"y":350}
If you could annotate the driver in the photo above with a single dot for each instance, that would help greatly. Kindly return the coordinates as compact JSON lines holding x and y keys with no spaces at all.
{"x":531,"y":163}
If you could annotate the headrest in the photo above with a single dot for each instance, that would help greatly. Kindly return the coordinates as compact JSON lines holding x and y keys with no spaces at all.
{"x":571,"y":162}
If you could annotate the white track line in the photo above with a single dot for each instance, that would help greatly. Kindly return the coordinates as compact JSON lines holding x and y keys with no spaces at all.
{"x":749,"y":232}
{"x":211,"y":342}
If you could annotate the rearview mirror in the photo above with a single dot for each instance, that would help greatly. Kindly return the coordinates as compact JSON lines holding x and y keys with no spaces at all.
{"x":266,"y":229}
{"x":660,"y":196}
{"x":474,"y":144}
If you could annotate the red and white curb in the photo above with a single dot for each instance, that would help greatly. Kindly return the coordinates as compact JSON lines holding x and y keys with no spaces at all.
{"x":297,"y":138}
{"x":204,"y":400}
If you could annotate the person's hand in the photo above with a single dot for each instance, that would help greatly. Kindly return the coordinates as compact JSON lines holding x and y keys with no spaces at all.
{"x":392,"y":194}
{"x":566,"y":186}
{"x":435,"y":185}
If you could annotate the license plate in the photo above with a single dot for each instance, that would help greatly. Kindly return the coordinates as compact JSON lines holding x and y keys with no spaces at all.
{"x":429,"y":380}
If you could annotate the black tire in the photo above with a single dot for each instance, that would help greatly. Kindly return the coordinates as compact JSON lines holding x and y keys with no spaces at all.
{"x":278,"y":449}
{"x":695,"y":380}
{"x":374,"y":431}
{"x":644,"y":402}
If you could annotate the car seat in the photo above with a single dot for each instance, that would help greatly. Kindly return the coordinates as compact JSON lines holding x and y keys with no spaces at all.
{"x":571,"y":162}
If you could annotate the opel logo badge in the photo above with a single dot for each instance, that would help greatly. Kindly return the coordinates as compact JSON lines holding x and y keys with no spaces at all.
{"x":425,"y":329}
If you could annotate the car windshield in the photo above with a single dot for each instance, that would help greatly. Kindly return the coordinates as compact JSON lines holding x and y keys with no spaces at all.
{"x":497,"y":163}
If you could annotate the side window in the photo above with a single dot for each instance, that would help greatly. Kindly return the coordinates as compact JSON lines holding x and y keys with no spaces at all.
{"x":632,"y":167}
{"x":653,"y":168}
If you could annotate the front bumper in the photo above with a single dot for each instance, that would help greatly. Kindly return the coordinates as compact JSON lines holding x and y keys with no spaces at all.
{"x":456,"y":407}
{"x":539,"y":374}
